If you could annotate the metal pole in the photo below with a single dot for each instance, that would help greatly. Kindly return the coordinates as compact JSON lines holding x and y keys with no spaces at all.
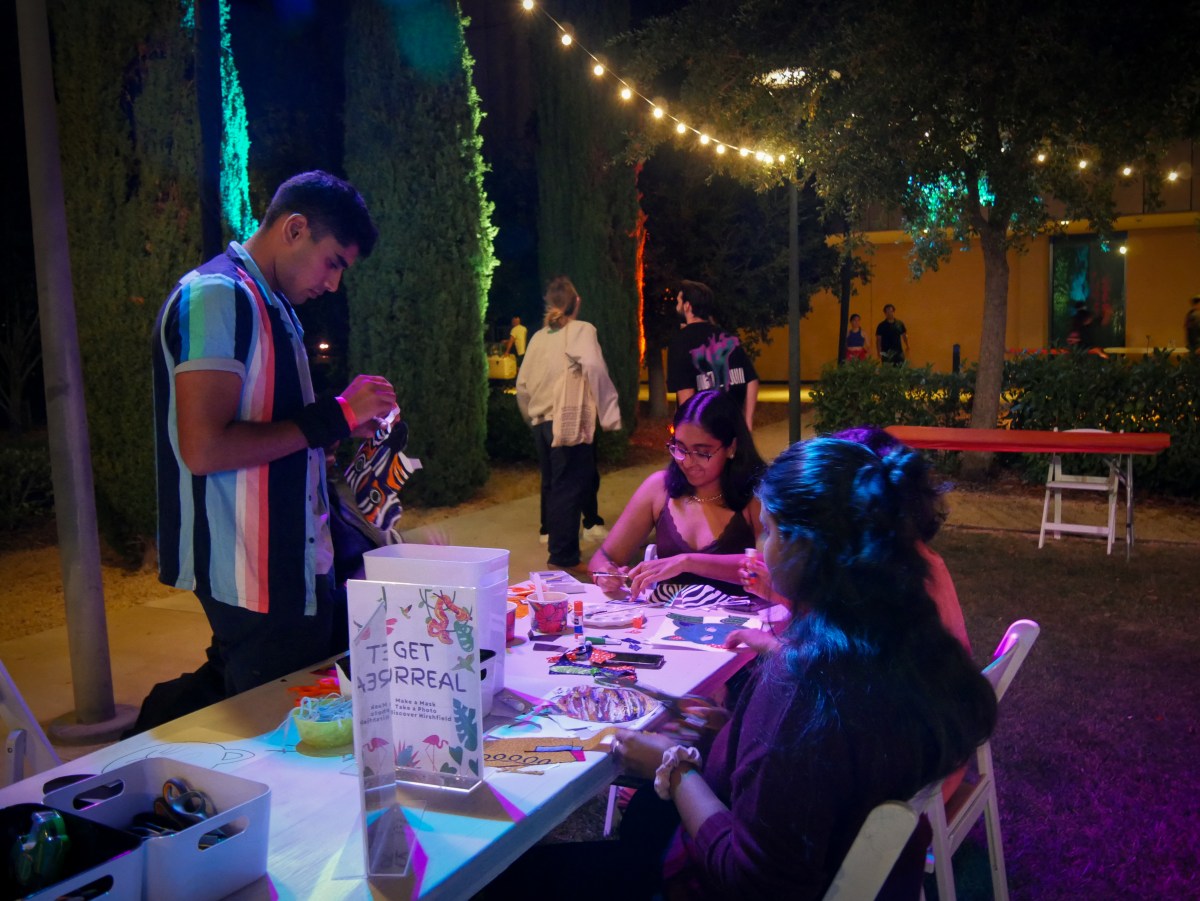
{"x":70,"y":456}
{"x":794,"y":314}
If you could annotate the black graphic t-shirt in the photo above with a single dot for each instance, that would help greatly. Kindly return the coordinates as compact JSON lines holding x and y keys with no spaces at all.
{"x":702,"y":356}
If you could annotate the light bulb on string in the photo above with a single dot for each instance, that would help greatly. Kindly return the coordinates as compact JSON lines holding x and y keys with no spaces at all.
{"x":1172,"y":175}
{"x":1127,"y":171}
{"x":1083,"y":164}
{"x":657,"y":110}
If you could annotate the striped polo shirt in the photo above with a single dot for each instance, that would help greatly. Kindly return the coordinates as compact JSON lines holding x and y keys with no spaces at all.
{"x":251,"y":537}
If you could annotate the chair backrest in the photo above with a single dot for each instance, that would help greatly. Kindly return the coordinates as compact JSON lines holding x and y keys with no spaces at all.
{"x":1010,"y":654}
{"x":874,"y":852}
{"x":27,"y":751}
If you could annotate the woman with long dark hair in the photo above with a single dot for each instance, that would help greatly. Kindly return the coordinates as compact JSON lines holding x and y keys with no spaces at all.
{"x":868,"y":698}
{"x":701,"y":508}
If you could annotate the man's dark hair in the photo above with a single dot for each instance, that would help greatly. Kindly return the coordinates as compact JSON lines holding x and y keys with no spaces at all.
{"x":700,"y":296}
{"x":889,"y":306}
{"x":330,"y":204}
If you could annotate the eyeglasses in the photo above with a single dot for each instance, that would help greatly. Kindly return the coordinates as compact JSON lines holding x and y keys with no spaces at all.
{"x":681,"y":453}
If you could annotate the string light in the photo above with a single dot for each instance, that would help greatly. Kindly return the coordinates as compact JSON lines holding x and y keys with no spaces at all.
{"x":628,"y":92}
{"x":1172,"y":175}
{"x":1083,"y":164}
{"x":1127,"y":171}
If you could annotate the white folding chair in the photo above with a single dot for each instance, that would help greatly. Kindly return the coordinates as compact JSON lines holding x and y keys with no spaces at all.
{"x":952,"y":820}
{"x":27,"y":751}
{"x":1058,"y":481}
{"x":874,"y":852}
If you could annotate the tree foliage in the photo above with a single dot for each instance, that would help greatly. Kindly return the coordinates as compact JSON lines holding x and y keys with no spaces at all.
{"x":713,"y":228}
{"x":587,"y":191}
{"x":129,"y":141}
{"x":941,"y":109}
{"x":418,"y":303}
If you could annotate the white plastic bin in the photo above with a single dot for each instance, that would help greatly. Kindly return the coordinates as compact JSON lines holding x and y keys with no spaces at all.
{"x":102,"y":862}
{"x":175,"y":865}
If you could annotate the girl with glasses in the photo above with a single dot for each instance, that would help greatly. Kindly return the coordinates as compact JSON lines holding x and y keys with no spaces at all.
{"x":701,"y":508}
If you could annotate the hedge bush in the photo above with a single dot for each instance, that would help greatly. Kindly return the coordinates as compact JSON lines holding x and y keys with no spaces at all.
{"x":26,"y":489}
{"x":509,"y":439}
{"x":862,"y":392}
{"x":1158,"y":393}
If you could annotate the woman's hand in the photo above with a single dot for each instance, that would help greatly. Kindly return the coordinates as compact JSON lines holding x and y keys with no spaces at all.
{"x":755,"y":577}
{"x":649,"y":572}
{"x":703,"y":720}
{"x":612,"y":582}
{"x":640,"y":753}
{"x":759,"y":642}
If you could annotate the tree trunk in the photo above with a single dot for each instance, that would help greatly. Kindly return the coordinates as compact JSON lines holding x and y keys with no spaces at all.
{"x":657,"y":377}
{"x":985,"y":407}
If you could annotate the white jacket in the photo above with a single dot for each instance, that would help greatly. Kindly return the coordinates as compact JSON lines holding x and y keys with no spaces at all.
{"x":545,"y":366}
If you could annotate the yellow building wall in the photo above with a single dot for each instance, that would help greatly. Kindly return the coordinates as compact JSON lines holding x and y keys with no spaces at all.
{"x":944,"y":308}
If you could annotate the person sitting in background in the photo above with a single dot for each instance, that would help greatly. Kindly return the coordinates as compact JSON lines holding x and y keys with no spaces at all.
{"x":701,"y":507}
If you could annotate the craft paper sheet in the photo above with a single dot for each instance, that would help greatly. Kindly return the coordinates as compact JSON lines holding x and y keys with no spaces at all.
{"x":698,"y":631}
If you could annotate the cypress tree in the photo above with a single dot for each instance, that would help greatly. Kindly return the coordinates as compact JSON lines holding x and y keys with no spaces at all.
{"x":588,"y":210}
{"x":130,"y":141}
{"x":417,"y":305}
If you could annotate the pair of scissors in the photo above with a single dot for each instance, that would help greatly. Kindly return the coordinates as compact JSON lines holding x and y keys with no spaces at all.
{"x":182,"y":806}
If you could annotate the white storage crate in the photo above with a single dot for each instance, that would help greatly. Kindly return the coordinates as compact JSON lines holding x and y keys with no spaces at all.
{"x":101,"y":862}
{"x":176,"y":867}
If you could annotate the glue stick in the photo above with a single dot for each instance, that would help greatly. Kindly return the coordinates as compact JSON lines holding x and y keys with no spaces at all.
{"x":578,"y":610}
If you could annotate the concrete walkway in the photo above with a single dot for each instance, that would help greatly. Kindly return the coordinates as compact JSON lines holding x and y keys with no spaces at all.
{"x":168,"y":635}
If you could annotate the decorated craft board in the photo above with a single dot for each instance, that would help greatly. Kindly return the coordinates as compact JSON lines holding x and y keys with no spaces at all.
{"x":699,"y":631}
{"x":416,"y":675}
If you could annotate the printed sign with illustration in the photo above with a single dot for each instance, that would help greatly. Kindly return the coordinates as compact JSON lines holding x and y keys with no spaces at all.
{"x":414,"y":655}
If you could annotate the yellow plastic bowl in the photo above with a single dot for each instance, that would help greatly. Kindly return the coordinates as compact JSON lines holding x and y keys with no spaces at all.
{"x":328,"y":734}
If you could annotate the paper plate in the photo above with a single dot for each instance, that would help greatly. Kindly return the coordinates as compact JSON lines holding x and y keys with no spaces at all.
{"x":601,"y":703}
{"x":602,"y":617}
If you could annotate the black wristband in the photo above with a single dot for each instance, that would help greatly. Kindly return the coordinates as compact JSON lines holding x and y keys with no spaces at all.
{"x":323,"y":422}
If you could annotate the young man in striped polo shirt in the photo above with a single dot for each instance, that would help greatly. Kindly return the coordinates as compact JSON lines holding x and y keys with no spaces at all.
{"x":240,"y":437}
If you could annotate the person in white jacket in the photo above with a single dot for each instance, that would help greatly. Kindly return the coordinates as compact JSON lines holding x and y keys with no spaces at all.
{"x":567,"y":472}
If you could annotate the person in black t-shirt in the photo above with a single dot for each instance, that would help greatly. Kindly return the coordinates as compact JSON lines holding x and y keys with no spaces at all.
{"x":702,"y":356}
{"x":891,"y":338}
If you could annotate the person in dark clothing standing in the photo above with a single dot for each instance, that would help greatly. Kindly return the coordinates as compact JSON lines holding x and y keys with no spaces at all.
{"x":702,"y":356}
{"x":891,"y":338}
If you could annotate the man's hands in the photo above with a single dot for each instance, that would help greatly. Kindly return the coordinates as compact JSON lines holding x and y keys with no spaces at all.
{"x":372,"y":398}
